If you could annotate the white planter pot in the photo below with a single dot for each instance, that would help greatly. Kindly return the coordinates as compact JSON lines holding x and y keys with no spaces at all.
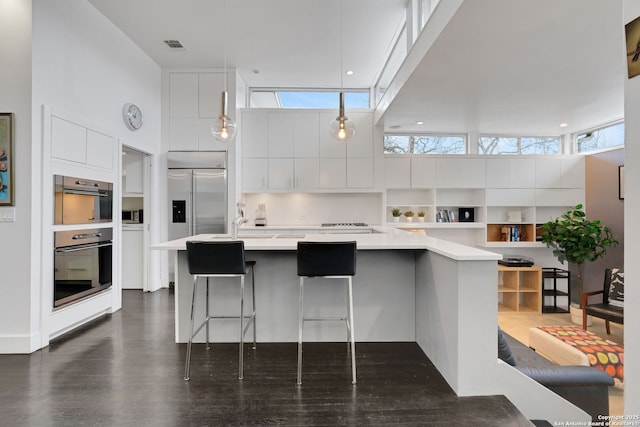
{"x":396,"y":219}
{"x":576,"y":316}
{"x":409,"y":219}
{"x":420,"y":219}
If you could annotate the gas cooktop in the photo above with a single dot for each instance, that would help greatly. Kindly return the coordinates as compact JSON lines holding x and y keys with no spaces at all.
{"x":345,"y":224}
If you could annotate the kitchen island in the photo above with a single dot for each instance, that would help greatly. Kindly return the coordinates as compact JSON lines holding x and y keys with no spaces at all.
{"x":408,"y":287}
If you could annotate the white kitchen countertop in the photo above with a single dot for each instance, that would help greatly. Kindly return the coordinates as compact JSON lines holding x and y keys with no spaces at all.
{"x":385,"y":238}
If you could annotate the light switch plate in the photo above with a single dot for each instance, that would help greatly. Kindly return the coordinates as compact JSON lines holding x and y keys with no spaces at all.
{"x":8,"y":214}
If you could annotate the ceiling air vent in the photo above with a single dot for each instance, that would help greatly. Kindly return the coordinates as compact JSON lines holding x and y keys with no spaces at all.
{"x":174,"y":44}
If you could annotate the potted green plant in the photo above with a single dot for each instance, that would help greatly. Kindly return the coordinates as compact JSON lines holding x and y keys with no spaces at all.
{"x":409,"y":215}
{"x":421,"y":215}
{"x":576,"y":240}
{"x":395,"y":213}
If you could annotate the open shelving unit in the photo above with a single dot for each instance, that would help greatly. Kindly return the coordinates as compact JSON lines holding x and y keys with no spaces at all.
{"x":519,"y":289}
{"x":552,"y":279}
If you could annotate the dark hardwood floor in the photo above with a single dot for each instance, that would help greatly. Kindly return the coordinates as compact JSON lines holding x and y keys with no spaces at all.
{"x":126,"y":370}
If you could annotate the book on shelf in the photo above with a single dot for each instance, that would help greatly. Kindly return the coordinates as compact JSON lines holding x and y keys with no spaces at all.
{"x":511,"y":233}
{"x":445,"y":215}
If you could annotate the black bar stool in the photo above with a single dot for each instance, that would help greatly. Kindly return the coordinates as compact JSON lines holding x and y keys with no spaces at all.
{"x":331,"y":260}
{"x":220,"y":259}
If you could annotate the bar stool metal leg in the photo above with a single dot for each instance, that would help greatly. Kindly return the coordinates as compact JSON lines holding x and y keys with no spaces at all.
{"x":253,"y":304}
{"x":207,"y":316}
{"x":300,"y":323}
{"x":241,"y":351}
{"x":352,"y":333}
{"x":193,"y":304}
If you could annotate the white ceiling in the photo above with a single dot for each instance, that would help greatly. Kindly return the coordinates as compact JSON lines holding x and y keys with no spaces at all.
{"x":499,"y":66}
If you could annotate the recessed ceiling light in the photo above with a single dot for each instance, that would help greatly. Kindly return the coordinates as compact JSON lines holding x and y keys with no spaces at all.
{"x":563,"y":125}
{"x":419,"y":122}
{"x":395,"y":127}
{"x":349,"y":72}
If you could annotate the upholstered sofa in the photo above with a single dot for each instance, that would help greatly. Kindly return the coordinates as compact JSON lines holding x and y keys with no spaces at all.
{"x":584,"y":386}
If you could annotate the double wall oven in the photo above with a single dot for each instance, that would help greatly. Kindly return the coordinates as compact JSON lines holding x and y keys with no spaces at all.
{"x":82,"y":255}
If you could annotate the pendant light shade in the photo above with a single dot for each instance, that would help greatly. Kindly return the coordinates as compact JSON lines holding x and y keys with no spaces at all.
{"x":224,"y":128}
{"x":342,"y":128}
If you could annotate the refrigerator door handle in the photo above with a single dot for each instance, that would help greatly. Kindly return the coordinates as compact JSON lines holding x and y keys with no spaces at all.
{"x":192,"y":204}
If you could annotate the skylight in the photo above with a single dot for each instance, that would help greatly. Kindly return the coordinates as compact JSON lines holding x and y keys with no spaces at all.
{"x":307,"y":99}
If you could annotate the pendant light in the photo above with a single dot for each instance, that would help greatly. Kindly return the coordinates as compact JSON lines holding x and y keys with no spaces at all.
{"x":224,"y":128}
{"x":341,"y":128}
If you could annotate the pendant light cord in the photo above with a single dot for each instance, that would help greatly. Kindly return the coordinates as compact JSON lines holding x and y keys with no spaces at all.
{"x":341,"y":83}
{"x":224,"y":36}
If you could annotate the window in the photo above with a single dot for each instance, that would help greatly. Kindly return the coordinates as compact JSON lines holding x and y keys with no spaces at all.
{"x":518,"y":145}
{"x":597,"y":139}
{"x":425,"y":144}
{"x":284,"y":98}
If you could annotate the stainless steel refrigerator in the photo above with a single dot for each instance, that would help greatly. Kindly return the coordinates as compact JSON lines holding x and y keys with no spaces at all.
{"x":197,"y":183}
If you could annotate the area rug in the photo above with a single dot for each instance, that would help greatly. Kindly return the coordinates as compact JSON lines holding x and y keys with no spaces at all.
{"x":603,"y":354}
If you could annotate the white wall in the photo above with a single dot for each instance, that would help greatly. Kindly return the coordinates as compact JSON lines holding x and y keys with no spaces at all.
{"x":16,"y":264}
{"x":632,"y":228}
{"x":67,"y":56}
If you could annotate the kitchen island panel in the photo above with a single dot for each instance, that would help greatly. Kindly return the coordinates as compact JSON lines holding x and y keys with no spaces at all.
{"x":384,"y":294}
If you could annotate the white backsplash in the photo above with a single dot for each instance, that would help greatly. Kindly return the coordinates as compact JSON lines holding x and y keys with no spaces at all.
{"x":315,"y":208}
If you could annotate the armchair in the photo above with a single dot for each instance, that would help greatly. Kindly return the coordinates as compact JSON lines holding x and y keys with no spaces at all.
{"x":611,"y":309}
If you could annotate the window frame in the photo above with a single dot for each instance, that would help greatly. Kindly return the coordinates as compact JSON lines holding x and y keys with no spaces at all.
{"x":574,"y":138}
{"x":464,"y":136}
{"x":276,"y":90}
{"x":519,"y":144}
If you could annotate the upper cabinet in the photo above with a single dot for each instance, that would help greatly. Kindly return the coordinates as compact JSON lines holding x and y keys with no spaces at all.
{"x":195,"y":101}
{"x":300,"y":153}
{"x":76,"y":143}
{"x":460,"y":173}
{"x":562,"y":172}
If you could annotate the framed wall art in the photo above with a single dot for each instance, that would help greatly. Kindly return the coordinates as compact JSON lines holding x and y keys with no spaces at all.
{"x":632,"y":32}
{"x":621,"y":182}
{"x":6,"y":160}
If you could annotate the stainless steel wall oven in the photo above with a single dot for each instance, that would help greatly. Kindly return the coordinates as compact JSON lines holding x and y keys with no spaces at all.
{"x":82,"y":264}
{"x":82,"y":201}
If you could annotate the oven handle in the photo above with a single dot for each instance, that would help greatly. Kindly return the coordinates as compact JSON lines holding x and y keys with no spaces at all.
{"x":81,"y":236}
{"x":83,"y":247}
{"x":82,"y":192}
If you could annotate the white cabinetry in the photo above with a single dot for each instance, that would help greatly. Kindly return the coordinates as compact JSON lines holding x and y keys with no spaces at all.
{"x":68,"y":141}
{"x":255,"y":129}
{"x":307,"y":173}
{"x":194,"y":105}
{"x":423,"y":172}
{"x":300,"y":155}
{"x":398,"y":172}
{"x":133,"y":177}
{"x":132,"y":258}
{"x":460,"y":173}
{"x":333,"y":173}
{"x":281,"y":173}
{"x":255,"y":173}
{"x":504,"y":193}
{"x":565,"y":172}
{"x":76,"y":143}
{"x":510,"y":173}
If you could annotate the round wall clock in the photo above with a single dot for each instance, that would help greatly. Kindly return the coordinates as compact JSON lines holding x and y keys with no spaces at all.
{"x":132,"y":116}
